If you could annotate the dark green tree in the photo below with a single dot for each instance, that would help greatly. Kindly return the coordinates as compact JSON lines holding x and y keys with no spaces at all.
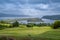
{"x":56,"y":24}
{"x":15,"y":24}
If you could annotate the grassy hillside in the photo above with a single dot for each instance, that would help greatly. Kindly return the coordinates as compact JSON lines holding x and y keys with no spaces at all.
{"x":35,"y":33}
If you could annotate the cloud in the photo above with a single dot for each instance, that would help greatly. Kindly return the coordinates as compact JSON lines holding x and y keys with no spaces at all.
{"x":10,"y":8}
{"x":34,"y":8}
{"x":41,"y":6}
{"x":44,"y":6}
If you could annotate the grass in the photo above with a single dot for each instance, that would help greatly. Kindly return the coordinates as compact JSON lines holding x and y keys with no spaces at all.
{"x":35,"y":33}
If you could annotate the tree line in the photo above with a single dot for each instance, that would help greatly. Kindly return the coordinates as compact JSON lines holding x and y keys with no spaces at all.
{"x":55,"y":25}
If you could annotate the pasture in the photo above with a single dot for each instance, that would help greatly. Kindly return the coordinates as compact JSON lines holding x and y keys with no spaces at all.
{"x":34,"y":33}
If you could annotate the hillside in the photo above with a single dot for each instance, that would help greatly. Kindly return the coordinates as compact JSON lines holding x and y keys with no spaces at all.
{"x":10,"y":15}
{"x":52,"y":17}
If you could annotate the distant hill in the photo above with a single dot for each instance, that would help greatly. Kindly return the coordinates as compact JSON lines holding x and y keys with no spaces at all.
{"x":10,"y":15}
{"x":34,"y":20}
{"x":52,"y":17}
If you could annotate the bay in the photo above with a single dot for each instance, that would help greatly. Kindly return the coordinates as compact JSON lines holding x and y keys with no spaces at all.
{"x":25,"y":21}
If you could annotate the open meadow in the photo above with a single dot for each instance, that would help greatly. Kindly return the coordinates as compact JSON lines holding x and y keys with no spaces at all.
{"x":33,"y":33}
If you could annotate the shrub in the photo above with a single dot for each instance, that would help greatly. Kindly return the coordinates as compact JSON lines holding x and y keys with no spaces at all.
{"x":15,"y":24}
{"x":42,"y":24}
{"x":1,"y":27}
{"x":10,"y":26}
{"x":56,"y":25}
{"x":29,"y":25}
{"x":4,"y":22}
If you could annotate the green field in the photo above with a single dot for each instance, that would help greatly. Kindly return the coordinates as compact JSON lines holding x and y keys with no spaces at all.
{"x":35,"y":33}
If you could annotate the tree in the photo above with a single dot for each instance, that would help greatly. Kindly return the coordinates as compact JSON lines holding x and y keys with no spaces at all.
{"x":56,"y":24}
{"x":15,"y":24}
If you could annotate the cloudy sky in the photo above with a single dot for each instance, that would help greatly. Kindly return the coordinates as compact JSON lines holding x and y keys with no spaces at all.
{"x":34,"y":8}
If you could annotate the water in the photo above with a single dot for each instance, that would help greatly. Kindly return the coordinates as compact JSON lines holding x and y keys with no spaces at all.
{"x":48,"y":21}
{"x":25,"y":21}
